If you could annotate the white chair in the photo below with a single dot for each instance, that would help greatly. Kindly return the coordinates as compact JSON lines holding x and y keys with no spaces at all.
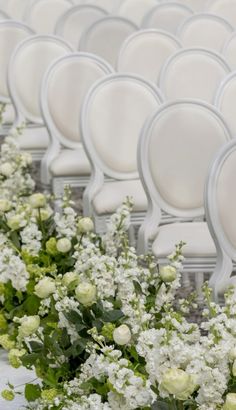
{"x":76,"y":20}
{"x":16,"y":9}
{"x":175,"y":149}
{"x":108,"y":5}
{"x":11,"y":33}
{"x":229,"y":51}
{"x":193,"y":73}
{"x":42,"y":15}
{"x":195,"y":5}
{"x":220,"y":204}
{"x":135,"y":10}
{"x":112,"y":116}
{"x":225,"y":100}
{"x":105,"y":37}
{"x":27,"y":66}
{"x":223,"y":8}
{"x":63,"y":89}
{"x":167,"y":16}
{"x":205,"y":30}
{"x":145,"y":52}
{"x":4,"y":15}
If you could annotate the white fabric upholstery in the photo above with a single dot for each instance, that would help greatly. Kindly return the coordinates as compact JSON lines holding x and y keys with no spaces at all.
{"x":70,"y":163}
{"x":229,"y":51}
{"x":112,"y":194}
{"x":167,"y":16}
{"x":16,"y":8}
{"x":95,"y":39}
{"x":42,"y":15}
{"x":34,"y":138}
{"x":196,"y":235}
{"x":193,"y":73}
{"x":9,"y":114}
{"x":205,"y":30}
{"x":109,"y":5}
{"x":226,"y":101}
{"x":76,"y":20}
{"x":135,"y":10}
{"x":145,"y":52}
{"x":195,"y":5}
{"x":223,"y":8}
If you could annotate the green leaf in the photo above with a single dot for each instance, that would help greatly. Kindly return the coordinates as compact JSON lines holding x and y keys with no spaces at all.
{"x":36,"y":346}
{"x":31,"y":305}
{"x":32,"y":392}
{"x":73,"y":317}
{"x":112,"y":315}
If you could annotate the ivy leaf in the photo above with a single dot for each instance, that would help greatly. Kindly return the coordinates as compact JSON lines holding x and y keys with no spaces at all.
{"x":112,"y":315}
{"x":32,"y":392}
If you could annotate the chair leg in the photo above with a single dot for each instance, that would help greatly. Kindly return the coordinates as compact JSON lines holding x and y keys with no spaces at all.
{"x":58,"y":191}
{"x":186,"y":280}
{"x":199,"y":280}
{"x":132,"y":239}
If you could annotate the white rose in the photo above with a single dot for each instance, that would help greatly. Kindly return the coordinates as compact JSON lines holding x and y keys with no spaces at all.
{"x":230,"y":402}
{"x":69,"y":278}
{"x":85,"y":225}
{"x":122,"y":335}
{"x":15,"y":222}
{"x":45,"y":287}
{"x":178,"y":383}
{"x":29,"y":325}
{"x":37,"y":200}
{"x":168,"y":273}
{"x":5,"y":205}
{"x":45,"y":213}
{"x":6,"y":169}
{"x":63,"y":245}
{"x":86,"y":293}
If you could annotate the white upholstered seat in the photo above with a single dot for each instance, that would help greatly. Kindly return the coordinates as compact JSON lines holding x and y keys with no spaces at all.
{"x":16,"y":9}
{"x":145,"y":52}
{"x":223,"y":8}
{"x":193,"y":73}
{"x":225,"y":100}
{"x":108,"y":5}
{"x":229,"y":51}
{"x":195,"y":5}
{"x":135,"y":10}
{"x":205,"y":30}
{"x":76,"y":20}
{"x":70,"y":163}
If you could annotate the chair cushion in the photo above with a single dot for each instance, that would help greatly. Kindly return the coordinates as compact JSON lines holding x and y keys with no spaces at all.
{"x":196,"y":235}
{"x":112,"y":194}
{"x":34,"y":138}
{"x":70,"y":162}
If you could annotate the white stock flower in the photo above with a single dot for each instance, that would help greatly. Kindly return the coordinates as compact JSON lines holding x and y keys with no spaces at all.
{"x":37,"y":200}
{"x":63,"y":245}
{"x":230,"y":402}
{"x":168,"y":273}
{"x":6,"y":169}
{"x":85,"y":225}
{"x":86,"y":293}
{"x":45,"y":287}
{"x":5,"y":205}
{"x":122,"y":335}
{"x":29,"y":325}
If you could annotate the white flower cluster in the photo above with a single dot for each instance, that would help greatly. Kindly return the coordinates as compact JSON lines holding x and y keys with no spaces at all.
{"x":66,"y":223}
{"x":31,"y":239}
{"x":13,"y":269}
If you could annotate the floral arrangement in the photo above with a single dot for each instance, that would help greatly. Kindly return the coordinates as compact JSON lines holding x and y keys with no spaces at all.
{"x":100,"y":325}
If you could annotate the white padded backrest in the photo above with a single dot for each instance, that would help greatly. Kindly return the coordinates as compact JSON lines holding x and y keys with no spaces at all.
{"x":225,"y":100}
{"x":43,"y":15}
{"x":3,"y":15}
{"x":223,"y":8}
{"x":113,"y":114}
{"x":167,"y":16}
{"x":229,"y":51}
{"x":135,"y":10}
{"x":76,"y":20}
{"x":11,"y":33}
{"x":64,"y":87}
{"x":175,"y":151}
{"x":145,"y":52}
{"x":193,"y":73}
{"x":16,"y":8}
{"x":105,"y":37}
{"x":205,"y":30}
{"x":195,"y":5}
{"x":27,"y":66}
{"x":108,"y":5}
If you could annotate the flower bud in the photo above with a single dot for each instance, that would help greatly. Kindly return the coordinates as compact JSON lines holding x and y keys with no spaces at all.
{"x":6,"y":342}
{"x":230,"y":402}
{"x":86,"y":293}
{"x":6,"y":169}
{"x":168,"y":273}
{"x":29,"y":325}
{"x":178,"y":383}
{"x":14,"y":357}
{"x":85,"y":225}
{"x":122,"y":335}
{"x":51,"y":246}
{"x":37,"y":200}
{"x":232,"y":353}
{"x":63,"y":245}
{"x":70,"y":278}
{"x":8,"y":395}
{"x":45,"y":287}
{"x":5,"y":205}
{"x":3,"y":322}
{"x":49,"y":394}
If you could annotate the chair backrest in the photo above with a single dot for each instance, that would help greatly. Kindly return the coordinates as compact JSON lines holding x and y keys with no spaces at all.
{"x":135,"y":10}
{"x":225,"y":100}
{"x":76,"y":20}
{"x":16,"y":9}
{"x":229,"y":51}
{"x":205,"y":30}
{"x":4,"y":15}
{"x":145,"y":52}
{"x":42,"y":15}
{"x":108,"y":5}
{"x":175,"y":149}
{"x":195,"y":5}
{"x":63,"y":89}
{"x":112,"y":116}
{"x":11,"y":33}
{"x":193,"y":73}
{"x":27,"y":66}
{"x":105,"y":37}
{"x":220,"y":205}
{"x":223,"y":8}
{"x":167,"y":16}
